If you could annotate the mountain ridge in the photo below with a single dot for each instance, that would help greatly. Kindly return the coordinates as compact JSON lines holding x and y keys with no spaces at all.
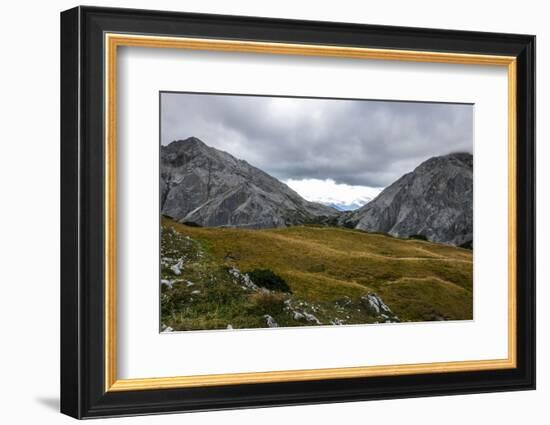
{"x":211,"y":187}
{"x":434,"y":201}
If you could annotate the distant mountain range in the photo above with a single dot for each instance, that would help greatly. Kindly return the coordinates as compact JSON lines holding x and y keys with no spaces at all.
{"x":205,"y":186}
{"x":355,"y":205}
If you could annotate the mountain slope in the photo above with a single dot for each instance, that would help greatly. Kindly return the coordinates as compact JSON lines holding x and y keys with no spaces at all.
{"x":336,"y":276}
{"x":435,"y":201}
{"x":210,"y":187}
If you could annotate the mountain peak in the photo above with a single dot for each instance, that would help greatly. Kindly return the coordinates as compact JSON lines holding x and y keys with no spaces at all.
{"x":211,"y":187}
{"x":190,"y":142}
{"x":455,"y":158}
{"x":435,"y":200}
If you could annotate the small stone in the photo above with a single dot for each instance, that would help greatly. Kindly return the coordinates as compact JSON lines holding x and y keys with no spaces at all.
{"x":298,"y":315}
{"x":270,"y":321}
{"x":167,"y":282}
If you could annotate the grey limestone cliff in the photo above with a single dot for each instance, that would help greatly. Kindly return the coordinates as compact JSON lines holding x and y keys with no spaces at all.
{"x":206,"y":186}
{"x":435,"y":201}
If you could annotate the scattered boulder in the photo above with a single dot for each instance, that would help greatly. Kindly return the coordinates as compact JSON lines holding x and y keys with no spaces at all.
{"x":311,"y":318}
{"x":167,"y":282}
{"x":374,"y":304}
{"x":270,"y":321}
{"x":297,"y":315}
{"x":176,"y":268}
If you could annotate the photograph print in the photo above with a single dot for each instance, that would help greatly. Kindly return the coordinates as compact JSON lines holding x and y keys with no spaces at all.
{"x":279,"y":212}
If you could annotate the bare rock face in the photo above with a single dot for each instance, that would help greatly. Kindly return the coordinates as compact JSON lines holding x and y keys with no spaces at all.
{"x":210,"y":187}
{"x":434,"y":201}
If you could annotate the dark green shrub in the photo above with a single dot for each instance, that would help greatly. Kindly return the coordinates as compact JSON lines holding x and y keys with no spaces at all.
{"x":191,"y":224}
{"x":269,"y":280}
{"x":349,"y":224}
{"x":467,"y":245}
{"x":419,"y":237}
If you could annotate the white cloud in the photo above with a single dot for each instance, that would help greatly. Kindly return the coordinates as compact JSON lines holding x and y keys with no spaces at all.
{"x":328,"y":192}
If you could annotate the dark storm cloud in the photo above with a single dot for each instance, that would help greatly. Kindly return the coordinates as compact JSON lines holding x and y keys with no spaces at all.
{"x":370,"y":143}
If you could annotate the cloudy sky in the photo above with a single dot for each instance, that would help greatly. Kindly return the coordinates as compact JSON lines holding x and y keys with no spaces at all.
{"x":331,"y":151}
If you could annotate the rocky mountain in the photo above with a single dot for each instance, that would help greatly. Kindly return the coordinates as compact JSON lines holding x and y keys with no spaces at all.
{"x":434,"y":201}
{"x":206,"y":186}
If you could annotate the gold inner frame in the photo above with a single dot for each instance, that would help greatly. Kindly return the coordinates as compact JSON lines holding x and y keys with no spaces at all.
{"x":113,"y":41}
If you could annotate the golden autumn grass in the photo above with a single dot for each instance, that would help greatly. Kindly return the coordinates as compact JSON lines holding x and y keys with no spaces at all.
{"x":418,"y":280}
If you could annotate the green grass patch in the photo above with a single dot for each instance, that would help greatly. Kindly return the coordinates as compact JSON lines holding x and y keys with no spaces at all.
{"x":326,"y":269}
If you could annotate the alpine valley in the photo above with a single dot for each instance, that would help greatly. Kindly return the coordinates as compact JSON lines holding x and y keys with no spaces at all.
{"x":241,"y":249}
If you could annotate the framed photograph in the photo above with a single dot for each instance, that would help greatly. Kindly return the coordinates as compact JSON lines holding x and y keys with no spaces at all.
{"x":261,"y":212}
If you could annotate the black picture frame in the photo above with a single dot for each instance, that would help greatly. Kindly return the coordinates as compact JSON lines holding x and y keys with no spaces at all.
{"x":83,"y":392}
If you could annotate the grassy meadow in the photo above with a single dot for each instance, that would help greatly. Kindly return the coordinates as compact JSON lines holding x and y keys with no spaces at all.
{"x":219,"y":278}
